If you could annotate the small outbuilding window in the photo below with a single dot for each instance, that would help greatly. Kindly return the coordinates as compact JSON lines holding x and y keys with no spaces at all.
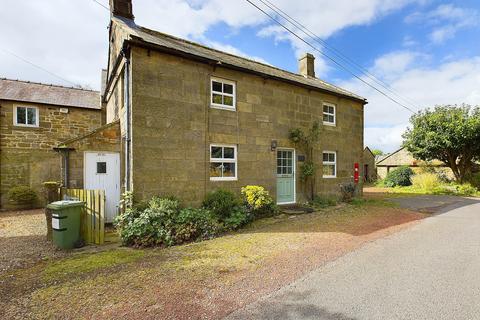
{"x":223,"y":162}
{"x":329,"y":114}
{"x":222,"y":94}
{"x":25,"y":116}
{"x":329,"y":164}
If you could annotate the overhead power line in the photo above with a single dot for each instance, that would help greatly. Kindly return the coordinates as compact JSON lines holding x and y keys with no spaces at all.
{"x":336,"y":52}
{"x":394,"y":100}
{"x":39,"y":67}
{"x":101,"y":4}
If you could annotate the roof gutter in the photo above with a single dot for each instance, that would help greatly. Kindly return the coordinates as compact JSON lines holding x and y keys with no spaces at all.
{"x":139,"y":42}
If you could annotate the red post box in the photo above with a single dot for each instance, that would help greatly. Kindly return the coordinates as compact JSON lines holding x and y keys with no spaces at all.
{"x":356,"y":173}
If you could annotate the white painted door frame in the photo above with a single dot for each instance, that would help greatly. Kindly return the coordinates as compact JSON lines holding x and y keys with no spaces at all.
{"x":108,"y":181}
{"x":294,"y":171}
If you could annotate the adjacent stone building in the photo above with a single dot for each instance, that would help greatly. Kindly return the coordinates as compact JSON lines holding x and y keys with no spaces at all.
{"x":369,"y":168}
{"x":402,"y":157}
{"x":193,"y":119}
{"x":35,"y":118}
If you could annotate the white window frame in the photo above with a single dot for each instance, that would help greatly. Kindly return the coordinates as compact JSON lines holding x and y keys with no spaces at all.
{"x":329,"y":163}
{"x":334,"y":114}
{"x":37,"y":120}
{"x":223,"y":160}
{"x":233,"y":95}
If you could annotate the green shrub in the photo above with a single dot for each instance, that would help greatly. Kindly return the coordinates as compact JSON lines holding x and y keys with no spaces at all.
{"x":196,"y":224}
{"x":466,"y":189}
{"x":238,"y":217}
{"x":426,"y":181}
{"x":164,"y":223}
{"x":258,"y":201}
{"x":22,"y":195}
{"x":320,"y":202}
{"x":221,"y":202}
{"x":475,"y":180}
{"x":347,"y":191}
{"x":399,"y":177}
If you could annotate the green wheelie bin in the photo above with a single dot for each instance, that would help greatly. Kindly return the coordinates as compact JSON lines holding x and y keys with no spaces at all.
{"x":66,"y":216}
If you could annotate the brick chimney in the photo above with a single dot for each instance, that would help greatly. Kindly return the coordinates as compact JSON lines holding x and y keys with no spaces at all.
{"x":306,"y":65}
{"x":122,"y":8}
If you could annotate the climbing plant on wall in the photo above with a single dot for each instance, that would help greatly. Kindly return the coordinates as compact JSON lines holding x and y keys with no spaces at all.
{"x":306,"y":141}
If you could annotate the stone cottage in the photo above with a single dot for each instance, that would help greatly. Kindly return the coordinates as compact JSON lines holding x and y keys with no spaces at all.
{"x":402,"y":157}
{"x":34,"y":118}
{"x":192,"y":119}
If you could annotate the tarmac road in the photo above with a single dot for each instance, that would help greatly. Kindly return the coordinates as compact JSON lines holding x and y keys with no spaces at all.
{"x":429,"y":271}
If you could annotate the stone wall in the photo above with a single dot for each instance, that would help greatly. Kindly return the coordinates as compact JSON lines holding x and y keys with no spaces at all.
{"x":26,"y":153}
{"x":369,"y":160}
{"x":173,"y":126}
{"x":104,"y":139}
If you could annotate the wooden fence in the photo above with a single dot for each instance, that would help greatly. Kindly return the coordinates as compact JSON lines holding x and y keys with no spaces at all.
{"x":93,"y":217}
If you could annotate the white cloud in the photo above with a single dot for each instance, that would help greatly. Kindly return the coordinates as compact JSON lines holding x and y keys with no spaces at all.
{"x":452,"y":82}
{"x":447,"y":20}
{"x":70,"y":37}
{"x":385,"y":139}
{"x":66,"y":37}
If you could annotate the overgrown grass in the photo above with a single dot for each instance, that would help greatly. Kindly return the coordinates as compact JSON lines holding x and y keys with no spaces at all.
{"x":444,"y":189}
{"x":90,"y":283}
{"x":362,"y":202}
{"x":88,"y":262}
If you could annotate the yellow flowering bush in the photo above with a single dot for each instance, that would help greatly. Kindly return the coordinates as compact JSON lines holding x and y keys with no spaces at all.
{"x":257,"y":198}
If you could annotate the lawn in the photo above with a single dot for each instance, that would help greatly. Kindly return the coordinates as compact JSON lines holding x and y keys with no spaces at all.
{"x":200,"y":280}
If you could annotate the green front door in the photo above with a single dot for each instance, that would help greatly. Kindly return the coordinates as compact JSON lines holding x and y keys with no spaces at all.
{"x":285,"y":176}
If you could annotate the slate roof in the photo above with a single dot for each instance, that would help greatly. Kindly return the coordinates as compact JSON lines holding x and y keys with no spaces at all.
{"x":180,"y":46}
{"x":26,"y":91}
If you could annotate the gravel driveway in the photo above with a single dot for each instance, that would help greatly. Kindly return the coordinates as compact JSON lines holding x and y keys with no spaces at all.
{"x":430,"y":271}
{"x":23,"y":239}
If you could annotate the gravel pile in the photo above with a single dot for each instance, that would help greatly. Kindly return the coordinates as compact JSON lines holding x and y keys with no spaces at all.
{"x":23,"y":239}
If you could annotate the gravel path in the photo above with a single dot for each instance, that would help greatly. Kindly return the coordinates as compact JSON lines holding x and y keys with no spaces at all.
{"x":23,"y":239}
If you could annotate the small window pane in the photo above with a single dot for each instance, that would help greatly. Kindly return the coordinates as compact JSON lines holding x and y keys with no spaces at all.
{"x":325,"y":157}
{"x":31,"y":116}
{"x":331,"y":157}
{"x":228,"y":100}
{"x":227,"y":88}
{"x":217,"y":99}
{"x":229,"y":169}
{"x":325,"y":108}
{"x":216,"y":152}
{"x":21,"y":115}
{"x":217,"y":86}
{"x":229,"y":153}
{"x":101,"y":167}
{"x":328,"y":170}
{"x":215,"y":169}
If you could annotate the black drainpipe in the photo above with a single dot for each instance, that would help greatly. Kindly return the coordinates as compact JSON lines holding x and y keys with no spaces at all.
{"x":126,"y":55}
{"x":65,"y":152}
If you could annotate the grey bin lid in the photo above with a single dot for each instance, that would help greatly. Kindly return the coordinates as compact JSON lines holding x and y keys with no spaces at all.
{"x":65,"y":204}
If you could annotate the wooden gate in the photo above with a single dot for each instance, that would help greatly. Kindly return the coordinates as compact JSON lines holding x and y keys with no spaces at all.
{"x":93,"y":217}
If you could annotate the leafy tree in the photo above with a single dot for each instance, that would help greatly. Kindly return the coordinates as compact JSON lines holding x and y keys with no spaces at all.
{"x":307,"y":141}
{"x":377,"y":152}
{"x":448,"y":133}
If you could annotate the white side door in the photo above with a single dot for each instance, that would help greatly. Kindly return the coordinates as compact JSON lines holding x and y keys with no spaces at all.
{"x":102,"y":172}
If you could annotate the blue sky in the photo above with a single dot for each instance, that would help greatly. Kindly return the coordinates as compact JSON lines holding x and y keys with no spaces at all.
{"x":427,"y":50}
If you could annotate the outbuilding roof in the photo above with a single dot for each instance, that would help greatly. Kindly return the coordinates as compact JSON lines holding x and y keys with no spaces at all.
{"x":174,"y":45}
{"x":26,"y":91}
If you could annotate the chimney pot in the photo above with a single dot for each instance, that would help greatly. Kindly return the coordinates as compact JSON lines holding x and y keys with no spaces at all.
{"x":121,"y":8}
{"x":306,"y":65}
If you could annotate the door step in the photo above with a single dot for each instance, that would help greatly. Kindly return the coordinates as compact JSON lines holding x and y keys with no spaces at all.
{"x":295,"y":209}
